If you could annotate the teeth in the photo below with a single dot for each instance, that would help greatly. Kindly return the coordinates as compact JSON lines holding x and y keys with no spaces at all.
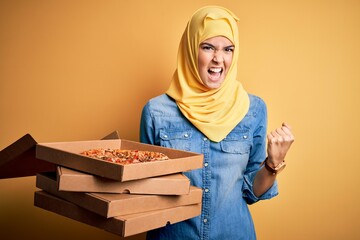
{"x":215,"y":70}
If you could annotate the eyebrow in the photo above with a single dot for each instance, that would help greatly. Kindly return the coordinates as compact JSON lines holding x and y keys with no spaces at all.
{"x":209,"y":44}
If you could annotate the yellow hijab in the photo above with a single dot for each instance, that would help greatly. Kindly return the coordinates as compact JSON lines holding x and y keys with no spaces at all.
{"x":215,"y":112}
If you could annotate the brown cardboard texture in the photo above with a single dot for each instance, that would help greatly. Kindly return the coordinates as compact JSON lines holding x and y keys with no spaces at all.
{"x":76,"y":181}
{"x":125,"y":225}
{"x":18,"y":159}
{"x":67,"y":154}
{"x":110,"y":205}
{"x":112,"y":135}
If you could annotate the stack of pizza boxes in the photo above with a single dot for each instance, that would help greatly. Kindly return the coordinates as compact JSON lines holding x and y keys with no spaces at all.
{"x":122,"y":199}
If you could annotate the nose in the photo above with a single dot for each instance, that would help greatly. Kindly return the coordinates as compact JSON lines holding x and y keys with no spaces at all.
{"x":218,"y":57}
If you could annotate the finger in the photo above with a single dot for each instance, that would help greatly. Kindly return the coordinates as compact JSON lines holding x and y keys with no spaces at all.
{"x":274,"y":140}
{"x":280,"y":135}
{"x":288,"y":132}
{"x":285,"y":133}
{"x":271,"y":139}
{"x":274,"y":137}
{"x":284,"y":124}
{"x":280,"y":132}
{"x":287,"y":129}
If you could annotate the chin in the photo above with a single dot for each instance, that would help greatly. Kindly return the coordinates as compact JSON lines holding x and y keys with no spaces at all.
{"x":213,"y":86}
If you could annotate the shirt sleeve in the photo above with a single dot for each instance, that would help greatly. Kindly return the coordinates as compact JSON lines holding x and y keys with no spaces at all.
{"x":257,"y":156}
{"x":146,"y":126}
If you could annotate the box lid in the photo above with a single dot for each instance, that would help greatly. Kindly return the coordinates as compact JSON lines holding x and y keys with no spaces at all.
{"x":76,"y":181}
{"x":125,"y":225}
{"x":18,"y":159}
{"x":110,"y":205}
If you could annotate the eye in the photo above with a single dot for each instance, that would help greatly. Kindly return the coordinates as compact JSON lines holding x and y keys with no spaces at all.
{"x":229,"y":49}
{"x":207,"y":47}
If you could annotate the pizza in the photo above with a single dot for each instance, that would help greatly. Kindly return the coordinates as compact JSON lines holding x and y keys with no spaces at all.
{"x":123,"y":156}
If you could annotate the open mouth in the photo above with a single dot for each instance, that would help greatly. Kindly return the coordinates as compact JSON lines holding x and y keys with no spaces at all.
{"x":215,"y":73}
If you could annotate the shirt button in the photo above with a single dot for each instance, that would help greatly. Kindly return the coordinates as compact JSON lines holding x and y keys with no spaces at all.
{"x":165,"y":136}
{"x":205,"y":220}
{"x":186,"y":135}
{"x":206,"y":190}
{"x":245,"y":137}
{"x":206,"y":164}
{"x":205,"y":139}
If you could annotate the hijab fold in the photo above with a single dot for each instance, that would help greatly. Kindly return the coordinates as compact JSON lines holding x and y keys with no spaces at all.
{"x":215,"y":112}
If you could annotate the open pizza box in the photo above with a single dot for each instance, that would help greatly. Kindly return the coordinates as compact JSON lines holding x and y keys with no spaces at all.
{"x":111,"y":205}
{"x":67,"y":154}
{"x":19,"y":158}
{"x":124,"y":225}
{"x":76,"y":181}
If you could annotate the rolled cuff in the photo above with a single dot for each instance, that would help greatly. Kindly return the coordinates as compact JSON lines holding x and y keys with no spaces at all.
{"x":248,"y":193}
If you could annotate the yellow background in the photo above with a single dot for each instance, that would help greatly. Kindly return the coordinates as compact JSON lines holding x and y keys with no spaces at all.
{"x":77,"y":70}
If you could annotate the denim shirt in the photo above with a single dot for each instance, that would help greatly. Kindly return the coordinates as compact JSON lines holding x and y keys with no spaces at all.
{"x":227,"y":175}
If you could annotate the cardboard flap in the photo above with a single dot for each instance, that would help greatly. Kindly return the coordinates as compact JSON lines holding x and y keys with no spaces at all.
{"x":18,"y":159}
{"x":113,"y":135}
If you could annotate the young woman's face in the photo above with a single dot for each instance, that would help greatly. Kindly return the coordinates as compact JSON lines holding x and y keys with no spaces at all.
{"x":215,"y":57}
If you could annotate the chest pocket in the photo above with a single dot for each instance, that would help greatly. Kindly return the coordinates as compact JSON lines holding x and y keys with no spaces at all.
{"x":237,"y":142}
{"x":176,"y":139}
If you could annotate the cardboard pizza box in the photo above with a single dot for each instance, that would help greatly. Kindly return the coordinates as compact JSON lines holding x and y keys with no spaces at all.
{"x":76,"y":181}
{"x":18,"y":159}
{"x":114,"y":204}
{"x":67,"y":154}
{"x":124,"y":225}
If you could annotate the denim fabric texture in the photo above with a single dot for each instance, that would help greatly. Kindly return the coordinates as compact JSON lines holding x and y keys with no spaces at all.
{"x":226,"y":177}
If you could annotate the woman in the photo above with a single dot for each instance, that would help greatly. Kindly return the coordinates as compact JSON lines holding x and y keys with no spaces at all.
{"x":206,"y":110}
